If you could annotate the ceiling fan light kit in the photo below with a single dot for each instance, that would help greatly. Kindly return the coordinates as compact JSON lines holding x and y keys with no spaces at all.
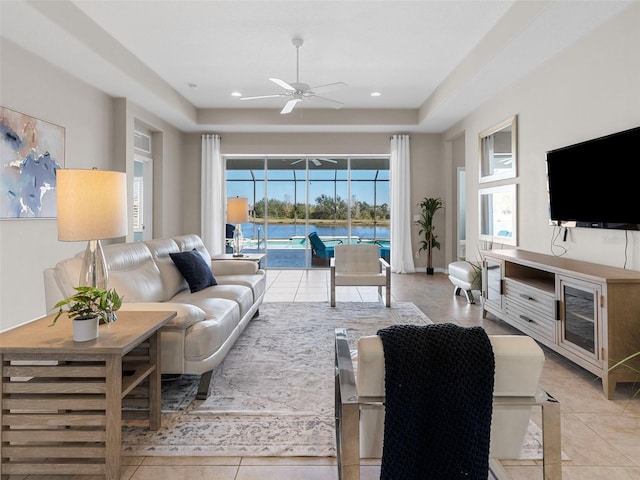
{"x":296,"y":92}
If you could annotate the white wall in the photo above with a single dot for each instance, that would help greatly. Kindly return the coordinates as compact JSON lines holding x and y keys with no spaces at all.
{"x":94,"y":131}
{"x":589,"y":90}
{"x":28,"y":246}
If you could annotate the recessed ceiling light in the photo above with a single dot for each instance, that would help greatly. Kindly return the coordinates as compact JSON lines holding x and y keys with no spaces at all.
{"x":375,"y":94}
{"x":193,"y":86}
{"x":236,"y":94}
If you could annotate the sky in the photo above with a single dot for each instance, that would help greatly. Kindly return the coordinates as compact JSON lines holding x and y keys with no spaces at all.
{"x":282,"y":189}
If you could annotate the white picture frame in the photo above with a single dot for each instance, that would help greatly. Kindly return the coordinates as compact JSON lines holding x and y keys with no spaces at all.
{"x":497,"y":151}
{"x":498,"y":208}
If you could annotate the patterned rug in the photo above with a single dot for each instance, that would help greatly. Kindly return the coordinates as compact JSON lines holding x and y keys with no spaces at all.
{"x":273,"y":394}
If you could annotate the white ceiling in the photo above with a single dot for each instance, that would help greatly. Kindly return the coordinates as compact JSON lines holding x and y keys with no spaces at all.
{"x":433,"y":61}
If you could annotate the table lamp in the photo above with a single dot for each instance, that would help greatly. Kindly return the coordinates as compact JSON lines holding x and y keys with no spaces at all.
{"x":92,"y":206}
{"x":238,"y":213}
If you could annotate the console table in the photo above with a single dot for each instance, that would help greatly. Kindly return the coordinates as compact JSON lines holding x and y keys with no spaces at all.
{"x":62,"y":400}
{"x":588,"y":313}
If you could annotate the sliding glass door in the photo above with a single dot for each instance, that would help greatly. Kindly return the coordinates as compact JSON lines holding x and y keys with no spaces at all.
{"x":342,"y":199}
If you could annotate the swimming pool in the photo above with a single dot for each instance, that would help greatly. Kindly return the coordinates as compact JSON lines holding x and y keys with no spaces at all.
{"x":299,"y":242}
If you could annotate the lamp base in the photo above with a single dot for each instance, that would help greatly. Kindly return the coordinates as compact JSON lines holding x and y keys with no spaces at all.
{"x":94,"y":272}
{"x":237,"y":241}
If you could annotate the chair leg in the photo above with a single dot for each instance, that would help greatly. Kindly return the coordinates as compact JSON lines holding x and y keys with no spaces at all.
{"x":203,"y":386}
{"x":332,"y":274}
{"x":347,"y":439}
{"x":467,"y":293}
{"x":551,"y":441}
{"x":388,"y":289}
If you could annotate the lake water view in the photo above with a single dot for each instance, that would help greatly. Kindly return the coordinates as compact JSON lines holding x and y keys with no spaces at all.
{"x":288,"y":231}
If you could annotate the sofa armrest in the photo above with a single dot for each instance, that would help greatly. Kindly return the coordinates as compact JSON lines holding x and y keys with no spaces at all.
{"x":234,"y":267}
{"x":187,"y":315}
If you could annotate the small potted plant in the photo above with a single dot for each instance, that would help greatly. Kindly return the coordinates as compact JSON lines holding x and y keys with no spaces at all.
{"x":88,"y":307}
{"x":429,"y":208}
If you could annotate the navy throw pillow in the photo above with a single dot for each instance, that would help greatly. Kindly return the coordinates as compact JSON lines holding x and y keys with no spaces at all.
{"x":194,"y":269}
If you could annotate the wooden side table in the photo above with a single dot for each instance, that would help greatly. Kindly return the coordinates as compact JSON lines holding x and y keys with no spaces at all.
{"x":62,"y":400}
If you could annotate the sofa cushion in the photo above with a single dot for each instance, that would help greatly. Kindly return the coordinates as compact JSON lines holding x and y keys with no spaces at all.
{"x":186,"y":315}
{"x":241,"y":295}
{"x":133,"y":273}
{"x":190,"y":242}
{"x":172,"y":279}
{"x":204,"y":338}
{"x":195,"y":270}
{"x":255,"y":282}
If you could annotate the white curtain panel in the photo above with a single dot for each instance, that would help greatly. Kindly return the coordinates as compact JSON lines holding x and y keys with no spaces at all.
{"x":212,"y":223}
{"x":400,"y":182}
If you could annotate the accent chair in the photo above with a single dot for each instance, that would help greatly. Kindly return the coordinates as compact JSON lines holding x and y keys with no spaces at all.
{"x":360,"y":265}
{"x":360,"y":403}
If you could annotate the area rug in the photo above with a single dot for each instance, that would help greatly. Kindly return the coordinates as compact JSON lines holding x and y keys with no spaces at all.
{"x":273,"y":395}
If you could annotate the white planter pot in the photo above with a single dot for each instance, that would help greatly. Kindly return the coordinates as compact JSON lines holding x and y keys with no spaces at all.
{"x":85,"y":329}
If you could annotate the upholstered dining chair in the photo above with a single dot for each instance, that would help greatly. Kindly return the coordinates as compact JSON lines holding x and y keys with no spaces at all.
{"x":360,"y":265}
{"x":361,"y":404}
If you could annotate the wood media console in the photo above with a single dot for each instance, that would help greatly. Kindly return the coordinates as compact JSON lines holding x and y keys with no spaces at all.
{"x":586,"y":312}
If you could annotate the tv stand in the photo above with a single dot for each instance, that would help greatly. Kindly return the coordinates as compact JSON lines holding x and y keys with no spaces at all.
{"x":586,"y":312}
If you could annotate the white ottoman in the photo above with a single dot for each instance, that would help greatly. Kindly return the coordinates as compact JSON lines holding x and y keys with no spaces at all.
{"x":518,"y":365}
{"x":464,"y":278}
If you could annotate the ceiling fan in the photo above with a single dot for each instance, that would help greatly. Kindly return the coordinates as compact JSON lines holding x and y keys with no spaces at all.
{"x":296,"y":92}
{"x":317,"y":161}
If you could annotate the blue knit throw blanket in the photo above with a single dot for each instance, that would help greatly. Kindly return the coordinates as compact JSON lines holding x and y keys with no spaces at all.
{"x":439,"y":394}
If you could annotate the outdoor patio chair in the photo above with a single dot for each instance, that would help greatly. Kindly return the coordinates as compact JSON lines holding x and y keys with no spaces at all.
{"x":321,"y":252}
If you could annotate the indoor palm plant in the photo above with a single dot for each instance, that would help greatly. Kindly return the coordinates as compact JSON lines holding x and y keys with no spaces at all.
{"x":87,"y":307}
{"x":429,"y":207}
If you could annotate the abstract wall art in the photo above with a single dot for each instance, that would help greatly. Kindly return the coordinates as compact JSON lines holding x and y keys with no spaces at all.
{"x":31,"y":150}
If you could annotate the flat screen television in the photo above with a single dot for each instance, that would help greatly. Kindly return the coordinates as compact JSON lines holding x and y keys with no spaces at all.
{"x":596,"y":183}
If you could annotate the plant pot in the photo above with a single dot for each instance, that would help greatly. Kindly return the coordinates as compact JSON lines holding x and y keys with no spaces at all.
{"x":85,"y":329}
{"x":429,"y":270}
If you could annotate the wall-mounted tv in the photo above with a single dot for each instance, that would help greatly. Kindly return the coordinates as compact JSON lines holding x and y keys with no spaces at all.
{"x":596,"y":183}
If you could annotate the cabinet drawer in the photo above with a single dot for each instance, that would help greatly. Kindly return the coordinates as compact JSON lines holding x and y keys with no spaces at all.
{"x":530,"y":309}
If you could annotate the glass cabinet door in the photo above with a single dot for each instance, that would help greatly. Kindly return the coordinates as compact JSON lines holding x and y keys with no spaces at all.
{"x":579,"y":318}
{"x":492,"y":282}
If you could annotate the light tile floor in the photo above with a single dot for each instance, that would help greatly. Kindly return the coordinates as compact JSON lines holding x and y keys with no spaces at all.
{"x":601,"y":437}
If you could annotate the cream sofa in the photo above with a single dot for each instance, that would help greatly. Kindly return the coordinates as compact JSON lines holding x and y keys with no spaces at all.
{"x":208,"y":321}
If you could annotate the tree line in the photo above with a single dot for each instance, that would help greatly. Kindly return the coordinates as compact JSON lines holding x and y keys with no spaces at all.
{"x":324,"y":208}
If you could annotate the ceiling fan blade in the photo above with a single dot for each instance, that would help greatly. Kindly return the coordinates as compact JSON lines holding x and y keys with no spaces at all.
{"x":328,"y":160}
{"x":283,"y":84}
{"x":265,"y":96}
{"x":289,"y":106}
{"x":315,"y":161}
{"x":333,"y":103}
{"x":328,"y":87}
{"x":297,"y":161}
